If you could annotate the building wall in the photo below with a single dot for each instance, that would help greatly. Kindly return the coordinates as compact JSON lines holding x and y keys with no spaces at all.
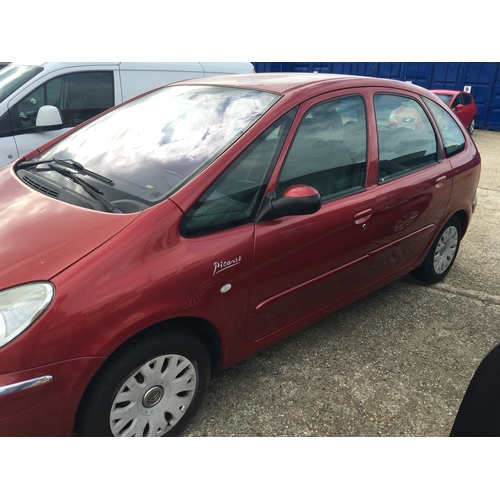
{"x":483,"y":78}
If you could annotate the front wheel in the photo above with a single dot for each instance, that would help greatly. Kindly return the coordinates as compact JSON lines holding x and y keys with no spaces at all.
{"x":442,"y":253}
{"x":150,"y":387}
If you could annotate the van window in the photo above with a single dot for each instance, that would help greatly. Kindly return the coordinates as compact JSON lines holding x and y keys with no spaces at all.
{"x":13,"y":77}
{"x":78,"y":96}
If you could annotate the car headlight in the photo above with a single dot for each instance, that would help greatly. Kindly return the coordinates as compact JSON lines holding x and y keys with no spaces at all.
{"x":20,"y":307}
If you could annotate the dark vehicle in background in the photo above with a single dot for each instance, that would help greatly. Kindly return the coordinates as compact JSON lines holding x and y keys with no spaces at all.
{"x":204,"y":221}
{"x":462,"y":104}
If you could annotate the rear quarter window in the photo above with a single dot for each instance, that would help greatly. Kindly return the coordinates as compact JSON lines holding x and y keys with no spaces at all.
{"x":453,"y":138}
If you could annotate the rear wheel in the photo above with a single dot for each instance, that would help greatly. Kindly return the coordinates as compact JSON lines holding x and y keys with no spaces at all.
{"x":442,"y":254}
{"x":150,"y":387}
{"x":472,"y":125}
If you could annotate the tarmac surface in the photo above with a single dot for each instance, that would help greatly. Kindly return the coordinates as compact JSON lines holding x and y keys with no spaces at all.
{"x":396,"y":363}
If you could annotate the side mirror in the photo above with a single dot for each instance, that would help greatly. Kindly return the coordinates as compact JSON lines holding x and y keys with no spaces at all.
{"x":296,"y":200}
{"x":49,"y":118}
{"x":458,"y":106}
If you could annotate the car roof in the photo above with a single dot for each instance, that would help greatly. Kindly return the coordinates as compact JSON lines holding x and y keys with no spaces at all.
{"x":447,"y":92}
{"x":285,"y":83}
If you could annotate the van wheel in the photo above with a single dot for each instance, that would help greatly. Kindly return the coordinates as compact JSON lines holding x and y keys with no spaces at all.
{"x":152,"y":386}
{"x":442,"y":253}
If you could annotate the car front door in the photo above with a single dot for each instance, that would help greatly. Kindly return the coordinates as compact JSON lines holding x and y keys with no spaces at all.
{"x":468,"y":111}
{"x":462,"y":111}
{"x":304,"y":264}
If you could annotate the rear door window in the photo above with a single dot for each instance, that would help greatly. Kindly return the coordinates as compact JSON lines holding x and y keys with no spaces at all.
{"x":406,"y":139}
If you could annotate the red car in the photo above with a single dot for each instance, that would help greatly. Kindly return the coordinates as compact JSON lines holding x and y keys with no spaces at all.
{"x":202,"y":222}
{"x":463,"y":105}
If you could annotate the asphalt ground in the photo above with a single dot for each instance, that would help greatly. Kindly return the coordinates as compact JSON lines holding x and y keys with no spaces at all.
{"x":396,"y":363}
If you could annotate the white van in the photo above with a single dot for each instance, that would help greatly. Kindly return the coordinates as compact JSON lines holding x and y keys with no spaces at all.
{"x":79,"y":91}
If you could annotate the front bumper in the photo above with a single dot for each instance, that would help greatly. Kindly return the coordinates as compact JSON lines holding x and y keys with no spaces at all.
{"x":43,"y":401}
{"x":14,"y":401}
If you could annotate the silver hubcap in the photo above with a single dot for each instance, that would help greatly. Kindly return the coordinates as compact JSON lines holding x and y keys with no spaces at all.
{"x":154,"y":398}
{"x":445,"y":250}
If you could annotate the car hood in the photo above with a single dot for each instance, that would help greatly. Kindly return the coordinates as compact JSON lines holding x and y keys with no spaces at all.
{"x":41,"y":236}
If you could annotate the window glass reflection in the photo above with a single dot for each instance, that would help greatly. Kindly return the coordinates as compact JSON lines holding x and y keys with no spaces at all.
{"x":152,"y":145}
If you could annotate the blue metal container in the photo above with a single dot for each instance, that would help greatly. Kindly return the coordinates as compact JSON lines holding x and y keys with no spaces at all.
{"x":482,"y":78}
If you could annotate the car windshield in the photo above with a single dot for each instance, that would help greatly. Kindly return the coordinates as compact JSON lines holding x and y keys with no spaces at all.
{"x":153,"y":145}
{"x":446,"y":98}
{"x":13,"y":76}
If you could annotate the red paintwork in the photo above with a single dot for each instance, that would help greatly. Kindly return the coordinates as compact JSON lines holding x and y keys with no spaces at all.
{"x":115,"y":275}
{"x":464,"y":113}
{"x":44,"y":410}
{"x":300,"y":191}
{"x":41,"y":236}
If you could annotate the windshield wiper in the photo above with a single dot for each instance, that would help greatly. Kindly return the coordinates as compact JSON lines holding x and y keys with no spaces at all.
{"x":68,"y":163}
{"x":96,"y":193}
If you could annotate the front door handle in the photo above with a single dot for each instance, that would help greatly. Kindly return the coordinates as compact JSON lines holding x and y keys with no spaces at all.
{"x":362,"y":217}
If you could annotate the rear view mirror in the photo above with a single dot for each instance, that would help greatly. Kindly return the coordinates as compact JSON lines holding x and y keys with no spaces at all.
{"x":296,"y":200}
{"x":49,"y":118}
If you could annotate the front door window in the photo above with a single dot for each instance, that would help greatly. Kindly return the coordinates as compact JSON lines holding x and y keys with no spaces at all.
{"x":329,"y":150}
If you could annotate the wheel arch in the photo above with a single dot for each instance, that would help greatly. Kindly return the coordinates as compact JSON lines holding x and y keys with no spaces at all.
{"x":202,"y":329}
{"x":462,"y":216}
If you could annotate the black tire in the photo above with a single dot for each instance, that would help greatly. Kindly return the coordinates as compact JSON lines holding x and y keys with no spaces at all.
{"x":153,"y":385}
{"x":442,"y":254}
{"x":472,"y":126}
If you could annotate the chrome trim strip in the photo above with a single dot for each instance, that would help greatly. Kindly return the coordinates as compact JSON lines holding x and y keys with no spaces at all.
{"x":27,"y":384}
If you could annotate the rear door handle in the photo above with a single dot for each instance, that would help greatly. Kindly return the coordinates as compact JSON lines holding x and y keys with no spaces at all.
{"x":440,"y":181}
{"x":363,"y":216}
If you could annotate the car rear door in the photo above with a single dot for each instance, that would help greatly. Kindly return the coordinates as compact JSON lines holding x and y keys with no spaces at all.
{"x":413,"y":186}
{"x":305,"y":264}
